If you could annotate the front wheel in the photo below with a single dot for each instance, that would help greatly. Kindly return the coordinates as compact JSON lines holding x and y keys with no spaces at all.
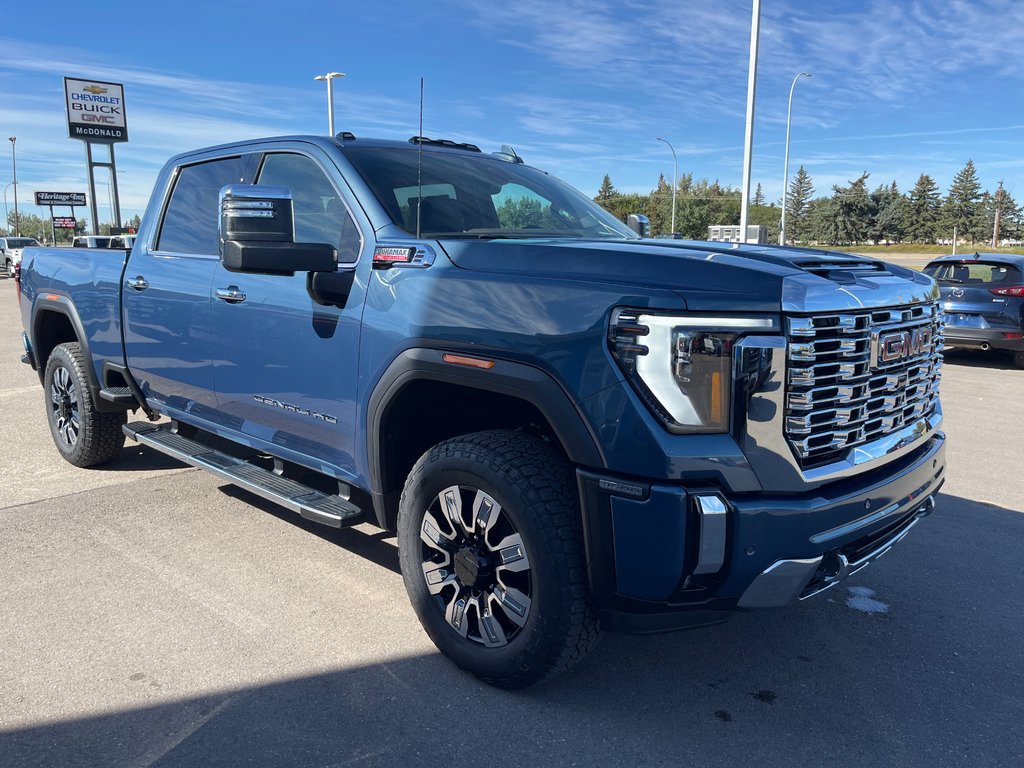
{"x":492,"y":557}
{"x":84,"y":436}
{"x":9,"y":268}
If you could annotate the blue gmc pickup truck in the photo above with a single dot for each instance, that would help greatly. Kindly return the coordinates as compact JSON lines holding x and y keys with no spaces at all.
{"x":570,"y":427}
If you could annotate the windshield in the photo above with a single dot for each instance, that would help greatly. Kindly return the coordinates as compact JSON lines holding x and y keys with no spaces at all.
{"x":21,"y":242}
{"x":973,"y":272}
{"x":470,"y":195}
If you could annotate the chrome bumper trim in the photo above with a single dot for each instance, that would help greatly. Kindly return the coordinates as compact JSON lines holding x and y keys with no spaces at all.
{"x":786,"y":581}
{"x":712,"y":512}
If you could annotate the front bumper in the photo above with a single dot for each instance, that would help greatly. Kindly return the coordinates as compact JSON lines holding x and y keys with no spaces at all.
{"x":650,"y":561}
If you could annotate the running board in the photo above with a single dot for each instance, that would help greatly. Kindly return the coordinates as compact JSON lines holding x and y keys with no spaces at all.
{"x":312,"y":504}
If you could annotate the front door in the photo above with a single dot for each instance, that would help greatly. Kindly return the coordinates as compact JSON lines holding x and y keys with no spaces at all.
{"x":284,"y":365}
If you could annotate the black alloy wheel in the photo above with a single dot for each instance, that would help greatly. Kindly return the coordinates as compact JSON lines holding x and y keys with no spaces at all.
{"x":84,"y":436}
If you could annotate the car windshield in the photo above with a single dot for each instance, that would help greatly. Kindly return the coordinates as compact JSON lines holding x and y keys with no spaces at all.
{"x":974,"y":272}
{"x":21,"y":242}
{"x":469,"y":195}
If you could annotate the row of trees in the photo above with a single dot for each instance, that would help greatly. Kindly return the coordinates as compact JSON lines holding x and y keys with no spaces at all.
{"x":852,"y":214}
{"x":30,"y":225}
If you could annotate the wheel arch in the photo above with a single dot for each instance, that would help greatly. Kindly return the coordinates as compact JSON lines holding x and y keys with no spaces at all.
{"x":419,"y":383}
{"x":55,"y":321}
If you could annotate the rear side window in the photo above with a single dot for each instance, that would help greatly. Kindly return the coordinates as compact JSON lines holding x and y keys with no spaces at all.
{"x":974,"y":272}
{"x":190,"y":222}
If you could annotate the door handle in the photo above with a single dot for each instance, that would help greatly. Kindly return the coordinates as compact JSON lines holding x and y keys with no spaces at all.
{"x":138,"y":283}
{"x":231,"y":294}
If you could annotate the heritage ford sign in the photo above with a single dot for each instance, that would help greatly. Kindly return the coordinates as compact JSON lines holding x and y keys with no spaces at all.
{"x":95,"y":111}
{"x":60,"y":198}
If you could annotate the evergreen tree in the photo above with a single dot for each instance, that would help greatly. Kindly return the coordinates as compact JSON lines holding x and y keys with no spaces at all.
{"x":923,"y":211}
{"x":853,"y":211}
{"x":797,"y":203}
{"x":758,"y":196}
{"x":607,"y":190}
{"x":659,"y":208}
{"x":963,"y":203}
{"x":889,"y":220}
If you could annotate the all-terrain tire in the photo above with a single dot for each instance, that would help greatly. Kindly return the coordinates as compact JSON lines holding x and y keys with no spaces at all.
{"x":84,"y":436}
{"x":1018,"y":359}
{"x":516,"y":557}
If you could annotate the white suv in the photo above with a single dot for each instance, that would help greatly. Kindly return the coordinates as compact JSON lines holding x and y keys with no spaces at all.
{"x":10,"y":251}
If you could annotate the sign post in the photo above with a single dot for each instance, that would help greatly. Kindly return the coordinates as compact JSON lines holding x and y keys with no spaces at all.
{"x":96,"y":115}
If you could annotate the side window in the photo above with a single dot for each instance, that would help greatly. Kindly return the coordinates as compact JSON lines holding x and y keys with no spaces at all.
{"x":190,"y":222}
{"x":320,"y":214}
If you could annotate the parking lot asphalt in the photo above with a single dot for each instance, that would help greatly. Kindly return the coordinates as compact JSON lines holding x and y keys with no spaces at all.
{"x":153,"y":616}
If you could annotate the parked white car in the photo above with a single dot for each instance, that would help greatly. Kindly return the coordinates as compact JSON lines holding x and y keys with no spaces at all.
{"x":10,"y":251}
{"x":92,"y":241}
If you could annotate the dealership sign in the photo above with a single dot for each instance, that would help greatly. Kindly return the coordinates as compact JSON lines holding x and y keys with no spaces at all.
{"x":60,"y":198}
{"x":95,"y":111}
{"x":64,"y":222}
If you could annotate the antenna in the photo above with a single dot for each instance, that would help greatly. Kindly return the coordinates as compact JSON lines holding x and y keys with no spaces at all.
{"x":419,"y":165}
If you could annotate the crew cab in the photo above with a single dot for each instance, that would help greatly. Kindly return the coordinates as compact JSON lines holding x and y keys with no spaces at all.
{"x":569,"y":427}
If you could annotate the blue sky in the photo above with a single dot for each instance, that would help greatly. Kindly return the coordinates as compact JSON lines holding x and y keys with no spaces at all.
{"x":579,"y":88}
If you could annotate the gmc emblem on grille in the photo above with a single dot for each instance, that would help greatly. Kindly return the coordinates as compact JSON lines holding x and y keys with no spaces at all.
{"x":900,"y":344}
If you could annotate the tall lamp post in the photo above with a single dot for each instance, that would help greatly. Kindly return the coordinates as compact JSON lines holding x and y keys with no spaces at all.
{"x":329,"y":77}
{"x":7,"y":214}
{"x":675,"y":173}
{"x":785,"y":172}
{"x":14,"y":163}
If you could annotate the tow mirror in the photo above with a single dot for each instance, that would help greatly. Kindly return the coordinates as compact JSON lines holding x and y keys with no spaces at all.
{"x":639,"y":224}
{"x":257,"y":234}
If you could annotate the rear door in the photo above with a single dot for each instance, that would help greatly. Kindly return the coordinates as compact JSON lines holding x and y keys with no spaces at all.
{"x":285,"y":366}
{"x":167,"y":293}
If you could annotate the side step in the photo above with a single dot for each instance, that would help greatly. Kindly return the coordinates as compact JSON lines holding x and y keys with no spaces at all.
{"x":122,"y":395}
{"x":312,"y":504}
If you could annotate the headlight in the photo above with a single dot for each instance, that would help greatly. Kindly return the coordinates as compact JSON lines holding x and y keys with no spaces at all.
{"x":682,"y":365}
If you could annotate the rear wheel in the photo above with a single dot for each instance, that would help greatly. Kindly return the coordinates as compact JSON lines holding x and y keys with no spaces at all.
{"x":492,"y":557}
{"x":1018,"y":359}
{"x":84,"y":436}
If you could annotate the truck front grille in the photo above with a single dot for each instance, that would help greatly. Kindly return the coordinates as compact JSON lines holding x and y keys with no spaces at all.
{"x":855,"y":377}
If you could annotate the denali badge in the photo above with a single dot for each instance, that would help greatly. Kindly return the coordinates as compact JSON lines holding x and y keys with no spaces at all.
{"x":900,"y":344}
{"x":295,"y":409}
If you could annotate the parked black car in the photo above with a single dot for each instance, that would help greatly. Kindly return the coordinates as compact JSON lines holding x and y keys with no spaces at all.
{"x":983,"y":299}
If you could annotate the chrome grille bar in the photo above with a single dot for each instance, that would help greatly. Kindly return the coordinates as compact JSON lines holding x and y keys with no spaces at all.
{"x":858,"y":376}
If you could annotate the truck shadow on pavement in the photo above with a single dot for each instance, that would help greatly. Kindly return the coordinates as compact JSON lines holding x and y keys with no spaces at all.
{"x":914,"y":661}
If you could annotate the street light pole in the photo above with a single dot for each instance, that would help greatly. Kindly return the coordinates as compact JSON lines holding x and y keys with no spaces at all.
{"x":748,"y":140}
{"x":14,"y":164}
{"x":329,"y":77}
{"x":675,"y":173}
{"x":7,"y":214}
{"x":785,"y":172}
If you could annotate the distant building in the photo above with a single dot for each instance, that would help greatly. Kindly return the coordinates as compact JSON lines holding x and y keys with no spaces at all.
{"x":730,"y":233}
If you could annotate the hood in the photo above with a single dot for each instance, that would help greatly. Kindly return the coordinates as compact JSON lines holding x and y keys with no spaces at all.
{"x":707,"y":276}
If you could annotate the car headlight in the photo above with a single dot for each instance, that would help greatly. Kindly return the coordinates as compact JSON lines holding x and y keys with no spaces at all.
{"x":682,"y":364}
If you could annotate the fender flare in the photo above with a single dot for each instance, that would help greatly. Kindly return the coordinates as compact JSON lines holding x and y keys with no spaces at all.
{"x":518,"y":380}
{"x":63,"y":305}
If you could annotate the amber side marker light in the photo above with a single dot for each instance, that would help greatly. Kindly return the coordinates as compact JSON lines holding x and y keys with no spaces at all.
{"x":472,"y":362}
{"x":52,"y":297}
